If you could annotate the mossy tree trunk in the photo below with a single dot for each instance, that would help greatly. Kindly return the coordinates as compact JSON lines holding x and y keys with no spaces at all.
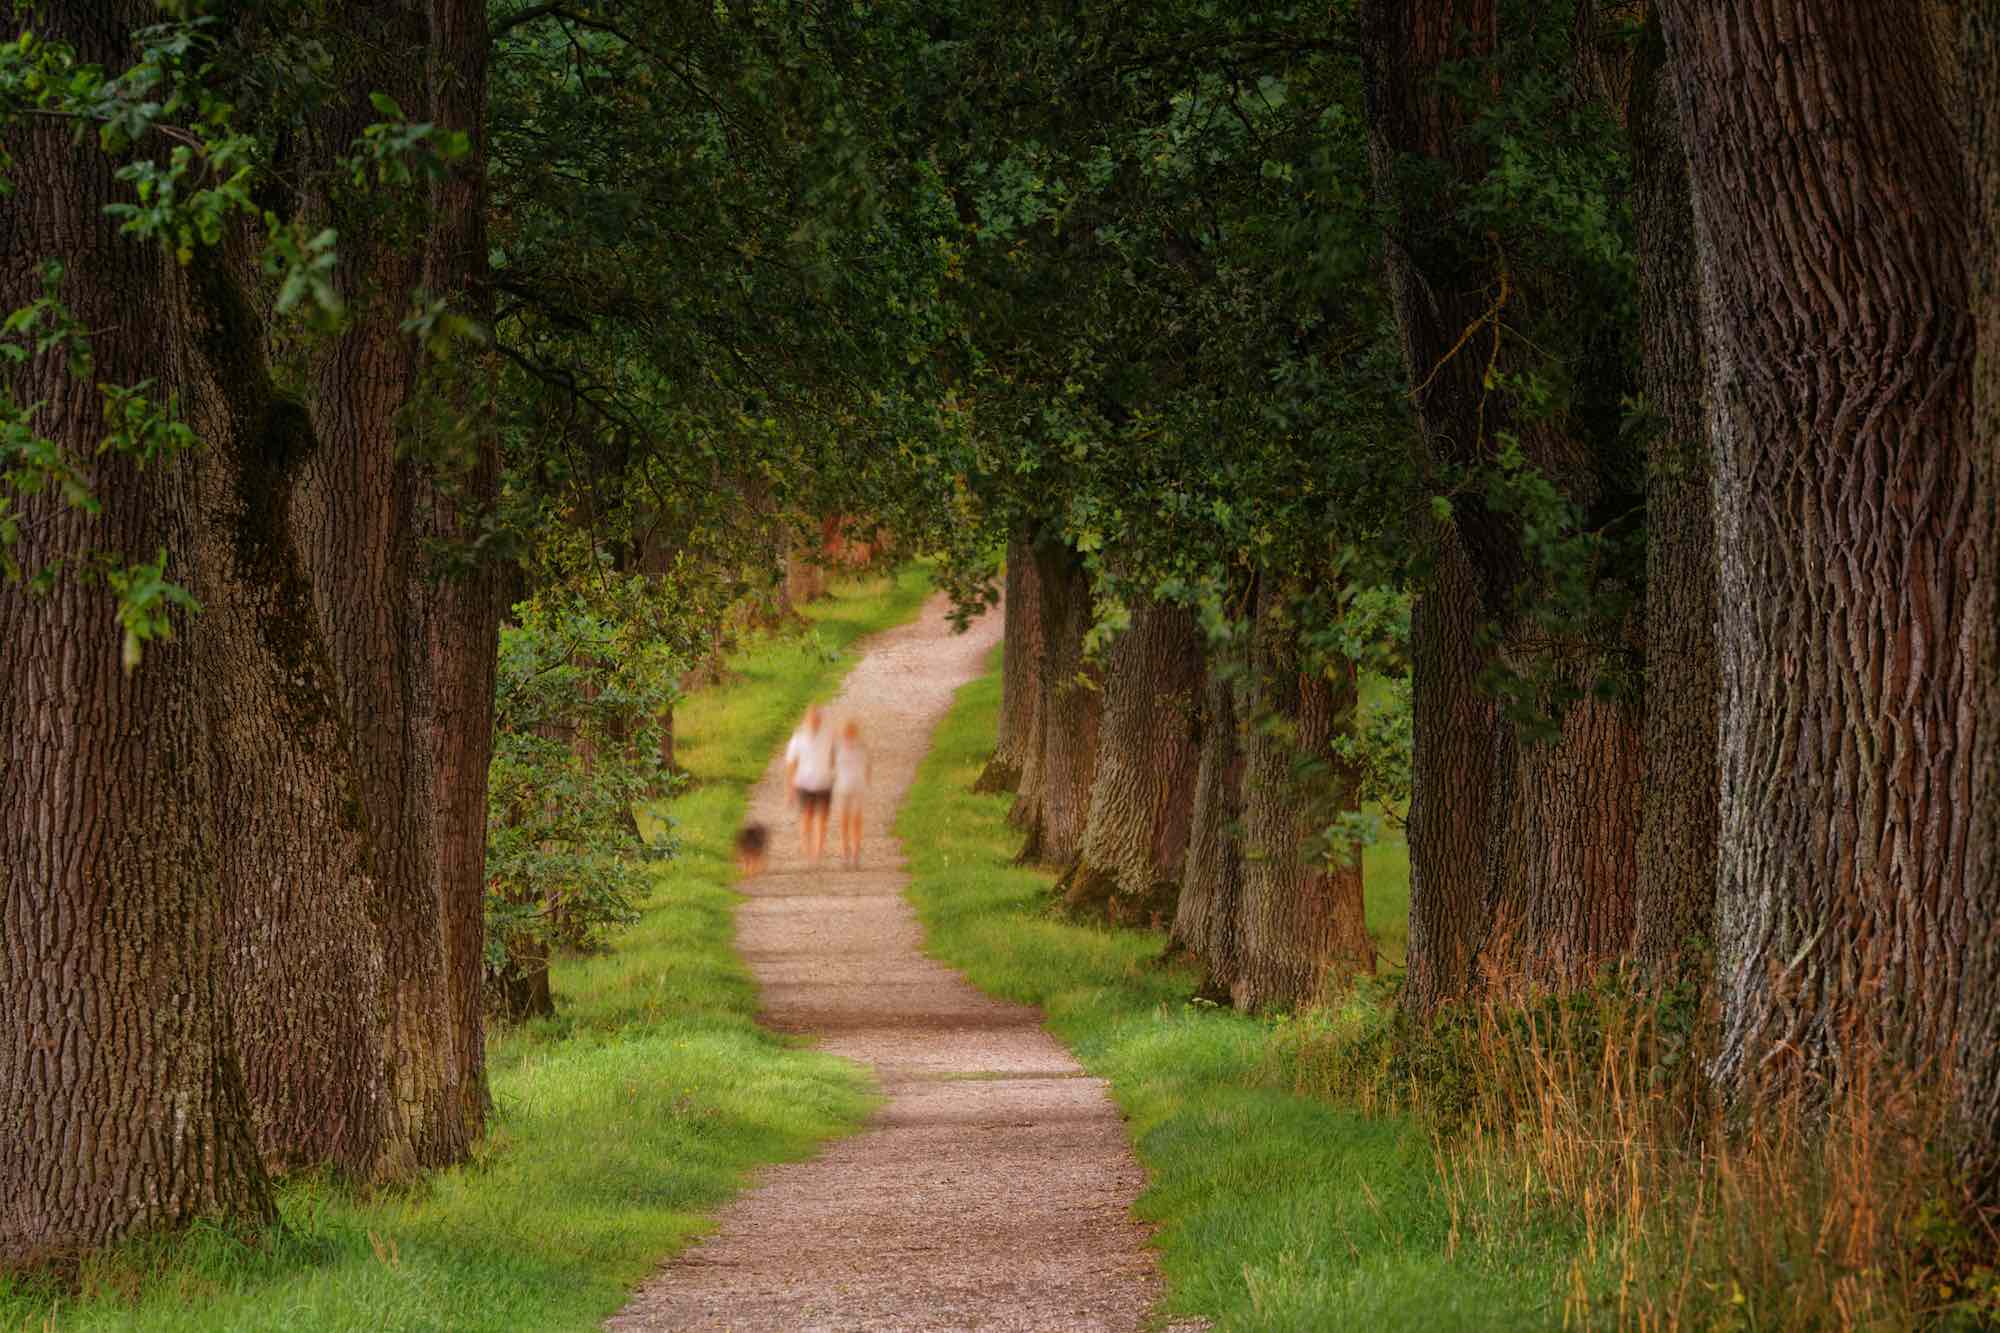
{"x":305,"y":969}
{"x":1142,"y":798}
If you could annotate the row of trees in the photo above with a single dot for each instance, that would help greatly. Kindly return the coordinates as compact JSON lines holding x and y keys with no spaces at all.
{"x":334,"y":333}
{"x":1641,"y":345}
{"x":240,"y":883}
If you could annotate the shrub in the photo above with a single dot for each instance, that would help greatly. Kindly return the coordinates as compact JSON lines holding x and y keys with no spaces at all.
{"x":580,"y":702}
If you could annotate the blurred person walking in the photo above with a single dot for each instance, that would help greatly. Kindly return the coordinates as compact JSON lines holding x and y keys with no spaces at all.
{"x":809,"y":779}
{"x":851,"y":771}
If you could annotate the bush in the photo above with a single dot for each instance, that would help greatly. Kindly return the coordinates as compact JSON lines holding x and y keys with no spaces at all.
{"x":580,"y":707}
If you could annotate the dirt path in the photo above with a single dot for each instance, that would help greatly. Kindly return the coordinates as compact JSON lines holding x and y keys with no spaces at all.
{"x":992,"y":1190}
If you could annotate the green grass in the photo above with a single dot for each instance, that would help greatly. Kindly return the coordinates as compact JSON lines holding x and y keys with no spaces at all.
{"x":1385,"y":888}
{"x":1275,"y":1210}
{"x":618,"y":1126}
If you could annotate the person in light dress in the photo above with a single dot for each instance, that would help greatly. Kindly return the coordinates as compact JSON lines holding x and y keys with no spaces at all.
{"x":851,"y":771}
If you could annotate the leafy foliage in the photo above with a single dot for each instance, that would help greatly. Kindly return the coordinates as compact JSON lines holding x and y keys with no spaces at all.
{"x":197,"y":167}
{"x":576,"y":745}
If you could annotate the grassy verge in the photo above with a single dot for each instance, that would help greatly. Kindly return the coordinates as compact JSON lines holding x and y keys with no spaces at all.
{"x":1275,"y":1210}
{"x":618,"y":1127}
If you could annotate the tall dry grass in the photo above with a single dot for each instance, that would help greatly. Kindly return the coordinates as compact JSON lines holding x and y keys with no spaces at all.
{"x":1589,"y":1122}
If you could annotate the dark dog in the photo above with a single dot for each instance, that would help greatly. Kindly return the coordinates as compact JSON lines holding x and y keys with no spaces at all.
{"x":751,"y":846}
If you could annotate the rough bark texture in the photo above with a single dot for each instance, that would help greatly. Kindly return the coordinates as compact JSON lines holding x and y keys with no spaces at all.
{"x":1453,"y":760}
{"x":1564,"y":851}
{"x":1979,"y":1026}
{"x":1452,"y":782}
{"x":1492,"y":827}
{"x":1208,"y":918}
{"x":1854,"y":531}
{"x":122,"y":1106}
{"x":304,"y":961}
{"x":1677,"y":842}
{"x":1304,"y":933}
{"x":1026,"y":812}
{"x":1019,"y":672}
{"x":407,"y":642}
{"x":1069,"y":709}
{"x":1142,"y":797}
{"x":463,"y":623}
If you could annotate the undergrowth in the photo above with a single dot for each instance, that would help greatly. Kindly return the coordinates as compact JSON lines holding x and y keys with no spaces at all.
{"x":618,"y":1126}
{"x":1788,"y":1205}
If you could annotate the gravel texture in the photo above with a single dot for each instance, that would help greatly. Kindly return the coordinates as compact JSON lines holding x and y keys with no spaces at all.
{"x":993,"y":1189}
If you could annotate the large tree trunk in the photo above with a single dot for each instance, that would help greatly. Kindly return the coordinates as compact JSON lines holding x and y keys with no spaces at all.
{"x":1019,"y":673}
{"x":1032,"y":711}
{"x":1208,"y":920}
{"x":1677,"y":842}
{"x":304,"y":960}
{"x":1452,"y":782}
{"x":1564,"y":851}
{"x":1069,"y":708}
{"x":1480,"y":783}
{"x":1979,"y":1025}
{"x":368,"y":506}
{"x":1304,"y":931}
{"x":1142,"y":798}
{"x":463,"y":625}
{"x":1855,"y":534}
{"x":122,"y":1106}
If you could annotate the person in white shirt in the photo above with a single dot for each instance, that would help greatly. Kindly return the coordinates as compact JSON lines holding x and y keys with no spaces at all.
{"x":851,"y":768}
{"x":809,"y":778}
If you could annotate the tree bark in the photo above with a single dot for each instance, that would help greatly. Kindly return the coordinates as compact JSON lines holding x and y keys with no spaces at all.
{"x":1208,"y":918}
{"x":1019,"y":670}
{"x":1142,"y":797}
{"x":1677,"y":841}
{"x":1069,"y":706}
{"x":1854,"y":532}
{"x":1480,"y":782}
{"x":404,"y":641}
{"x":1304,"y":930}
{"x":304,"y":961}
{"x":463,"y":624}
{"x":122,"y":1106}
{"x":1452,"y":783}
{"x":1564,"y":851}
{"x":1026,"y":812}
{"x":1979,"y":1027}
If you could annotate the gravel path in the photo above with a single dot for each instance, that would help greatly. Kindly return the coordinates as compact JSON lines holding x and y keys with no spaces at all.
{"x":993,"y":1189}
